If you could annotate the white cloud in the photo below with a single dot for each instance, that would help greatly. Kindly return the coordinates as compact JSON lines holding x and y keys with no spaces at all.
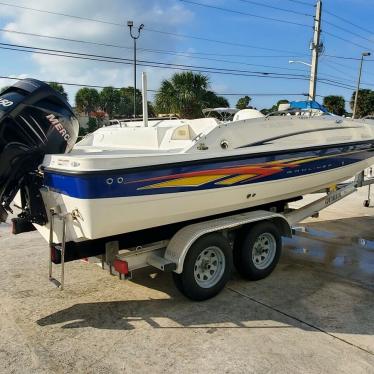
{"x":167,"y":15}
{"x":6,"y":82}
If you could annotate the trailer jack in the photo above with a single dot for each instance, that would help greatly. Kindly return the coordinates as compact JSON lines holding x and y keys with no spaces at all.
{"x":55,"y":250}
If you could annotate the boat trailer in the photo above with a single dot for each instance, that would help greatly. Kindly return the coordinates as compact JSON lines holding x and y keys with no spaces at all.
{"x":200,"y":255}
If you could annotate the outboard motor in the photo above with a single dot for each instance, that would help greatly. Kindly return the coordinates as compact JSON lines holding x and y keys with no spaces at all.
{"x":35,"y":120}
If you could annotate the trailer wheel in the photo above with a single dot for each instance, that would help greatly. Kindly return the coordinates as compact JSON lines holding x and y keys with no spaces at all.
{"x":257,"y":252}
{"x":207,"y":268}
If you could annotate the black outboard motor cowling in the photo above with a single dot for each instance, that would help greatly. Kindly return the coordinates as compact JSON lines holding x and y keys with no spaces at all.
{"x":35,"y":120}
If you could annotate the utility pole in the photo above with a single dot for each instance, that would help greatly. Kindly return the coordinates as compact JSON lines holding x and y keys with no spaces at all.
{"x":130,"y":24}
{"x":363,"y":54}
{"x":316,"y":49}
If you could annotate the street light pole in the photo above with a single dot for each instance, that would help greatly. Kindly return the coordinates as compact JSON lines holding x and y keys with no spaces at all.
{"x":130,"y":24}
{"x":300,"y":62}
{"x":363,"y":54}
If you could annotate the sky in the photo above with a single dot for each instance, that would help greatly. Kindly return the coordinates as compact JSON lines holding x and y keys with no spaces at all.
{"x":186,"y":33}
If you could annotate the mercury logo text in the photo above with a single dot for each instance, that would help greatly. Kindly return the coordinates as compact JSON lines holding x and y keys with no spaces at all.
{"x":58,"y":126}
{"x":5,"y":102}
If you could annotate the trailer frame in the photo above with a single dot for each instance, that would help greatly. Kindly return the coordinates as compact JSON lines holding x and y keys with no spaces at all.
{"x":170,"y":255}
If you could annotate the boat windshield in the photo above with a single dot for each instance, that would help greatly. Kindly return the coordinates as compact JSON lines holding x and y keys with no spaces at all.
{"x":223,"y":114}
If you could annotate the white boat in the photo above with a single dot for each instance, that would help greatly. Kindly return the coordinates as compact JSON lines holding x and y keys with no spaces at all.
{"x":121,"y":179}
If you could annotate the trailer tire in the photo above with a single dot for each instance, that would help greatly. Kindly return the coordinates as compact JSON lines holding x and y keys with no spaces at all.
{"x":207,"y":268}
{"x":257,"y":251}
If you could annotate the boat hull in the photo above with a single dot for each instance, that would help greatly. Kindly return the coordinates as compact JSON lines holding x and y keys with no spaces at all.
{"x":115,"y":202}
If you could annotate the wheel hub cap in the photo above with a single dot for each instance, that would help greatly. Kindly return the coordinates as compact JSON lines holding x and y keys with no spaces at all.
{"x":209,"y":267}
{"x":264,"y":250}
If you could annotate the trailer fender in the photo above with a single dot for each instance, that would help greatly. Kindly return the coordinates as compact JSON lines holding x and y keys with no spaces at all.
{"x":182,"y":241}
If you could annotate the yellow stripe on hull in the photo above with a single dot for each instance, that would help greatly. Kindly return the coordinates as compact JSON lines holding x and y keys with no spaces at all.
{"x":186,"y":182}
{"x":238,"y":178}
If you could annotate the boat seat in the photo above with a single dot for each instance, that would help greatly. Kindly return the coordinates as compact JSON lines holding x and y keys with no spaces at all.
{"x":184,"y":132}
{"x":203,"y":125}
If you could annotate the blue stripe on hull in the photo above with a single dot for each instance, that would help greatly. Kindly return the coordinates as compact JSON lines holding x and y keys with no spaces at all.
{"x":203,"y":176}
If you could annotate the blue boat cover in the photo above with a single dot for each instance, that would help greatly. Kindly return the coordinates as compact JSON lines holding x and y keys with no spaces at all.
{"x":308,"y":105}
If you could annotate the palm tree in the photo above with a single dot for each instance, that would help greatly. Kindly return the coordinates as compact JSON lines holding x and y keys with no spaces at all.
{"x":59,"y":88}
{"x":184,"y":94}
{"x":87,"y":100}
{"x":335,"y":104}
{"x":109,"y":100}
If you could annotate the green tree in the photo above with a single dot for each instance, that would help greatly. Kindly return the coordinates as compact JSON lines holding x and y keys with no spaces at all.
{"x":59,"y":88}
{"x":110,"y":100}
{"x":126,"y":103}
{"x":87,"y":100}
{"x":243,"y":102}
{"x":183,"y":94}
{"x":275,"y":107}
{"x":335,"y":104}
{"x":365,"y":102}
{"x":92,"y":125}
{"x":151,"y":110}
{"x":211,"y":100}
{"x":82,"y":132}
{"x":186,"y":94}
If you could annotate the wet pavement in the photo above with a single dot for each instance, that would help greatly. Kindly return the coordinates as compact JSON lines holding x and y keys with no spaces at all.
{"x":314,"y":314}
{"x":337,"y":250}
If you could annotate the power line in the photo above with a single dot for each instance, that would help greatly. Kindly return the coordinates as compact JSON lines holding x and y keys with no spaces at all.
{"x":171,"y":33}
{"x":181,"y":68}
{"x":149,"y":50}
{"x":66,"y":39}
{"x":349,"y":22}
{"x":346,"y":40}
{"x":63,"y":14}
{"x":348,"y":31}
{"x":103,"y":58}
{"x":344,"y":57}
{"x":348,"y":67}
{"x":225,"y":42}
{"x":129,"y":61}
{"x":117,"y":60}
{"x":141,"y":49}
{"x":333,"y":66}
{"x":152,"y":90}
{"x":348,"y":58}
{"x":245,"y":13}
{"x":276,"y":8}
{"x":195,"y":37}
{"x":342,"y":28}
{"x":174,"y":66}
{"x":263,"y":94}
{"x":352,"y":69}
{"x":177,"y":53}
{"x":342,"y":65}
{"x":335,"y":84}
{"x":352,"y":80}
{"x":157,"y":51}
{"x":301,"y":2}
